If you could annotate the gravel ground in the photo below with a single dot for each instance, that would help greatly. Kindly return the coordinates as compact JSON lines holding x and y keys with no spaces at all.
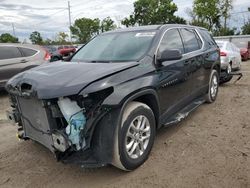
{"x":211,"y":148}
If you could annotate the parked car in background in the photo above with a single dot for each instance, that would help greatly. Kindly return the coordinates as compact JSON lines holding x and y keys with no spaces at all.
{"x":230,"y":59}
{"x":104,"y":106}
{"x":245,"y":51}
{"x":15,"y":58}
{"x":66,"y":50}
{"x":54,"y":53}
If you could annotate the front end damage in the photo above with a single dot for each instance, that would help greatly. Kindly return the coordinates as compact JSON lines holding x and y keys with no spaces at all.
{"x":65,"y":125}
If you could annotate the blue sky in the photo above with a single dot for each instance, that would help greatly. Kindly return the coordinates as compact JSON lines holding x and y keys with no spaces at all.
{"x":50,"y":17}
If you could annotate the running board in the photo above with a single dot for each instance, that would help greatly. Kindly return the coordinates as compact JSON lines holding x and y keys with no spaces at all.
{"x":178,"y":117}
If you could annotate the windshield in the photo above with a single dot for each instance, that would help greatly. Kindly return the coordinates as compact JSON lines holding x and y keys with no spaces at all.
{"x":120,"y":46}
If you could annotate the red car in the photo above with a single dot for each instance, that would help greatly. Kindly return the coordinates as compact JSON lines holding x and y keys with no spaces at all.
{"x":244,"y":49}
{"x":245,"y":53}
{"x":66,"y":50}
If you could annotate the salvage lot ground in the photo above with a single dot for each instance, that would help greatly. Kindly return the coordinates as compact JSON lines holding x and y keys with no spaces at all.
{"x":211,"y":148}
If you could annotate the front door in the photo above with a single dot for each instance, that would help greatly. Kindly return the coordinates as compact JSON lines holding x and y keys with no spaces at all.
{"x":174,"y":77}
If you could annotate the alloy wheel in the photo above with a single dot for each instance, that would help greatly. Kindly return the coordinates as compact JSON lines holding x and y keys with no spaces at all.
{"x":137,"y":137}
{"x":214,"y":86}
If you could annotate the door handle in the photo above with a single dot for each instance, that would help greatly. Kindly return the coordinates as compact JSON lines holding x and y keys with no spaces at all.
{"x":23,"y":61}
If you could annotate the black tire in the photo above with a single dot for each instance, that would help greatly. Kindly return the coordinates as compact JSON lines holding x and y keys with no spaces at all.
{"x":55,"y":58}
{"x":122,"y":158}
{"x":227,"y":77}
{"x":211,"y":97}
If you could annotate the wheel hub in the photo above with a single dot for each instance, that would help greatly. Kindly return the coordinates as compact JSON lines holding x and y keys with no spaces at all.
{"x":137,"y":137}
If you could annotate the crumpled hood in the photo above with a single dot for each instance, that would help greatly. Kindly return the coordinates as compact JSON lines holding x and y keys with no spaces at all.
{"x":57,"y":79}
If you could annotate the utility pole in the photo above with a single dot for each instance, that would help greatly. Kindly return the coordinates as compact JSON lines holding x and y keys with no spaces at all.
{"x":69,"y":22}
{"x":13,"y":28}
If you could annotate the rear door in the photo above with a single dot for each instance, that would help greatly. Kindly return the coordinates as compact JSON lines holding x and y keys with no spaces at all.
{"x":194,"y":60}
{"x":10,"y":60}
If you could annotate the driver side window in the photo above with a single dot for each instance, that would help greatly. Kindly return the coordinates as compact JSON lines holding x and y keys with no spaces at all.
{"x":171,"y":40}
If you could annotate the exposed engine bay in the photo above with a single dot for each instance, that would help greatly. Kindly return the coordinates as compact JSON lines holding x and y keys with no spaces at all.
{"x":63,"y":124}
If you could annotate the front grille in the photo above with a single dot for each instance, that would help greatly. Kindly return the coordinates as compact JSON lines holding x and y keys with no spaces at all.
{"x":36,"y":121}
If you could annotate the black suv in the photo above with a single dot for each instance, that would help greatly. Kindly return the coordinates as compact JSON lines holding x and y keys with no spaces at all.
{"x":104,"y":106}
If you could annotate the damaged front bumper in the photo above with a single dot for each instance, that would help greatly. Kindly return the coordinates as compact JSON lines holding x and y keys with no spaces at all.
{"x":65,"y":132}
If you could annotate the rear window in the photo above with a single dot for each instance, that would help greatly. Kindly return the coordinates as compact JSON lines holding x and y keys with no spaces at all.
{"x":191,"y":42}
{"x":9,"y":52}
{"x":27,"y":52}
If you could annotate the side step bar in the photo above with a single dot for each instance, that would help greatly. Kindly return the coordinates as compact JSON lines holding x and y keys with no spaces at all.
{"x":179,"y":116}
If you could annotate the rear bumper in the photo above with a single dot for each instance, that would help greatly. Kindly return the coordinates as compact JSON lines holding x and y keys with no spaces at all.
{"x":224,"y":63}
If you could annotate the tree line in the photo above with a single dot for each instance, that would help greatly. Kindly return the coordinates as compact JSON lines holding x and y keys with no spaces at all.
{"x":211,"y":14}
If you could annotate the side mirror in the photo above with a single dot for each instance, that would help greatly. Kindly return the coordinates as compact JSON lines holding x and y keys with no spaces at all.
{"x":168,"y":55}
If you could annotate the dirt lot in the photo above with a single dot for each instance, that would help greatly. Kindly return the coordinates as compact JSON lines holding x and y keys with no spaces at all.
{"x":211,"y":148}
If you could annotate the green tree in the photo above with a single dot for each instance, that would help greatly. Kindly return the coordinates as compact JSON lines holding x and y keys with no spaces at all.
{"x":84,"y":29}
{"x":147,"y":12}
{"x":6,"y":37}
{"x":213,"y":15}
{"x":36,"y":38}
{"x":246,"y":28}
{"x":207,"y":13}
{"x":48,"y":42}
{"x":225,"y":31}
{"x":62,"y":38}
{"x":225,"y":8}
{"x":107,"y":24}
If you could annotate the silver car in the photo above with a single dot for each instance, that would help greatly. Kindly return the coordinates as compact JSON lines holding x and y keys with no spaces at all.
{"x":16,"y":58}
{"x":230,"y":56}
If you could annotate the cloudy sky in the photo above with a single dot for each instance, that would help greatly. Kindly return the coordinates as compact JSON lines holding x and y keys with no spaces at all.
{"x":49,"y":17}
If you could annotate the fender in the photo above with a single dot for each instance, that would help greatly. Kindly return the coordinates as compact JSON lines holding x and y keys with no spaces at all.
{"x":107,"y":129}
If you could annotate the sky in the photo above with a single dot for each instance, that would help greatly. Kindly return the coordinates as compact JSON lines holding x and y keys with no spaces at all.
{"x":51,"y":16}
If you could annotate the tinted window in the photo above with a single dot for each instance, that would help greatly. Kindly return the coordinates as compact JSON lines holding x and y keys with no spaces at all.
{"x":190,"y":40}
{"x":208,"y":37}
{"x":171,"y":40}
{"x":9,"y":52}
{"x":27,"y":52}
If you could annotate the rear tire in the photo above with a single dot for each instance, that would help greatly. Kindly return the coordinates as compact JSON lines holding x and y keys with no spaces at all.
{"x":213,"y":87}
{"x":136,"y":136}
{"x":228,"y":77}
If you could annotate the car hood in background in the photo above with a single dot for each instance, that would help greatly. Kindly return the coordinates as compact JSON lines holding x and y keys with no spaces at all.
{"x":58,"y":79}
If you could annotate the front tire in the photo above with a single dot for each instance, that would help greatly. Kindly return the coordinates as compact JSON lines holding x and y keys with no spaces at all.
{"x":136,"y":136}
{"x":213,"y":87}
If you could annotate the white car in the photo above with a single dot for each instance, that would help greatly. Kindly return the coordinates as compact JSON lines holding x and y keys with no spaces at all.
{"x":230,"y":56}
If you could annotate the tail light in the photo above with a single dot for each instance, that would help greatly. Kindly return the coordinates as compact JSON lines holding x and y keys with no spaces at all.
{"x":223,"y":53}
{"x":47,"y":56}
